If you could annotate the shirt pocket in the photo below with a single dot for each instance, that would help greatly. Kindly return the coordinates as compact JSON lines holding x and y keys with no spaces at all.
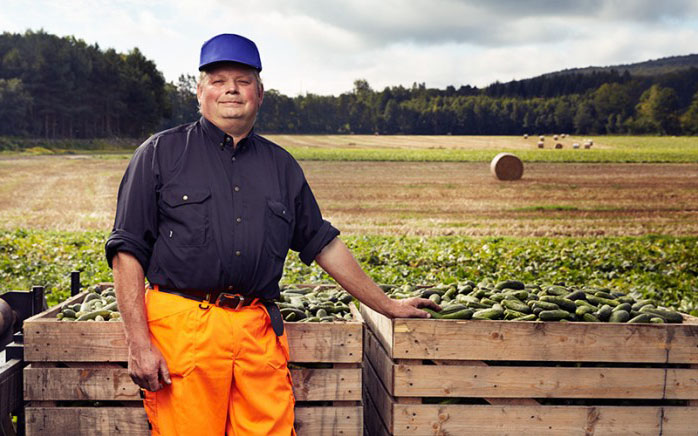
{"x":277,"y":228}
{"x":186,"y":215}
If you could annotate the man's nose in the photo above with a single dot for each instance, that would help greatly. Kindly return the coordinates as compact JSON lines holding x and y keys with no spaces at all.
{"x":232,"y":88}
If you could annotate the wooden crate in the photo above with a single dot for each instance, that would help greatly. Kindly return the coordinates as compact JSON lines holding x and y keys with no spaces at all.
{"x":511,"y":377}
{"x":86,"y":362}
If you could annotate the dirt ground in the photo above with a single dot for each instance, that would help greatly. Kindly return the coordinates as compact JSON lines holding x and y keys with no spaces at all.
{"x":395,"y":198}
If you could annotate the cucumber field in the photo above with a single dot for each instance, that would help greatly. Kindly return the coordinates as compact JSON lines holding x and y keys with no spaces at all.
{"x":413,"y":209}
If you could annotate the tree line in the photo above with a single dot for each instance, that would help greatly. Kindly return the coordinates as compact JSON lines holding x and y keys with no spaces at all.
{"x":61,"y":87}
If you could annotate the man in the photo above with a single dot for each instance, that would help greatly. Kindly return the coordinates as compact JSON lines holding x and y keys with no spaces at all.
{"x":208,"y":211}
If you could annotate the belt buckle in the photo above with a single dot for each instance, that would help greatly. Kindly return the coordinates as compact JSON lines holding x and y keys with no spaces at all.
{"x":234,"y":301}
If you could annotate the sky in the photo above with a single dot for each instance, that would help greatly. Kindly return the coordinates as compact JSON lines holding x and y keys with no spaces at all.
{"x":323,"y":46}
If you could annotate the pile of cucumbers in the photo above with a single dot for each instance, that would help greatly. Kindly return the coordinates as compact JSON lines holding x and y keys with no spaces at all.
{"x":98,"y":305}
{"x":318,"y":304}
{"x":517,"y":301}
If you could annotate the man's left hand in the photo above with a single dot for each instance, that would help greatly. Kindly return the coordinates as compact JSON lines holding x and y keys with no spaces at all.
{"x":408,"y":308}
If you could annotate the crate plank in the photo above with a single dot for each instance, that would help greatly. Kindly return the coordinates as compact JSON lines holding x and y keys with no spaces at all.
{"x":114,"y":384}
{"x":107,"y":421}
{"x":325,"y":342}
{"x":344,"y":421}
{"x":428,"y":419}
{"x":544,"y":382}
{"x":95,"y":421}
{"x":373,"y":425}
{"x":544,"y":420}
{"x":535,"y":341}
{"x":48,"y":339}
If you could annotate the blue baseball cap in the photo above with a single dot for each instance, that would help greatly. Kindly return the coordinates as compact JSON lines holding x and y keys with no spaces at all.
{"x":228,"y":47}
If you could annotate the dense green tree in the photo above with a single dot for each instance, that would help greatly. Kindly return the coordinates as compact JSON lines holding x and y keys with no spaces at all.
{"x":657,"y":111}
{"x":14,"y":106}
{"x":689,"y":120}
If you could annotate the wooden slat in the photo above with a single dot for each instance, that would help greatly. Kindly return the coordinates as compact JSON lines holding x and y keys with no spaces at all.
{"x":517,"y":401}
{"x":48,"y":339}
{"x":535,"y":341}
{"x":95,"y":421}
{"x":325,"y":342}
{"x":56,"y":341}
{"x":382,"y":401}
{"x":339,"y":421}
{"x":543,"y":420}
{"x":373,"y":425}
{"x":109,"y":421}
{"x":544,"y":382}
{"x":382,"y":364}
{"x":114,"y":384}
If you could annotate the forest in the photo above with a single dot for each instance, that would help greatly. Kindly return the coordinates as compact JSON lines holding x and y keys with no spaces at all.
{"x":61,"y":87}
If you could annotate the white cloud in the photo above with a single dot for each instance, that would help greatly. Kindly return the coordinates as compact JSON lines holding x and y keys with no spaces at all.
{"x":322,"y":47}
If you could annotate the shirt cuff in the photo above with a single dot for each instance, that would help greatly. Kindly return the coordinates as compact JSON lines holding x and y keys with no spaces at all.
{"x":322,"y":237}
{"x":121,"y":240}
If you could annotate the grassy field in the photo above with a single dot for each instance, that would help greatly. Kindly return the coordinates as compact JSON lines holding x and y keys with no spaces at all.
{"x":612,"y":149}
{"x":75,"y":193}
{"x":427,"y":210}
{"x":414,"y":148}
{"x":662,"y":268}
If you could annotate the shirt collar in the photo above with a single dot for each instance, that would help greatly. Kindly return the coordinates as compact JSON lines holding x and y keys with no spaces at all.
{"x":219,"y":137}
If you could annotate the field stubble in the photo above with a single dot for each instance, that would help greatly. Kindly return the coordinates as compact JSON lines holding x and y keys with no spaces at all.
{"x":399,"y":198}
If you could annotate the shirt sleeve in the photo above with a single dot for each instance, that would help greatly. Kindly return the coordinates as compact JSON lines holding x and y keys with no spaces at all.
{"x":136,"y":224}
{"x":311,"y":233}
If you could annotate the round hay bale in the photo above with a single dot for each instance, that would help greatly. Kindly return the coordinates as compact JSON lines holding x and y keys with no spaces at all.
{"x":558,"y":146}
{"x":555,"y":137}
{"x":541,"y":144}
{"x":506,"y":166}
{"x":575,"y":145}
{"x":541,"y":137}
{"x":525,"y":135}
{"x":587,"y":146}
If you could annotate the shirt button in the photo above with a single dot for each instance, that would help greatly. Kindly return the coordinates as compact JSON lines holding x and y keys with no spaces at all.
{"x":227,"y":139}
{"x":185,"y":197}
{"x":237,"y":253}
{"x":237,"y":188}
{"x":233,"y":158}
{"x":238,"y":219}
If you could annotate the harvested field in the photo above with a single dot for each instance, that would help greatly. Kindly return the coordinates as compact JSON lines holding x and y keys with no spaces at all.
{"x":395,"y":198}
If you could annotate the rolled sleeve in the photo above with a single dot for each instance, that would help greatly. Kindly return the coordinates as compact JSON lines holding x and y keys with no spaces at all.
{"x":135,"y":223}
{"x":311,"y":233}
{"x":322,"y":237}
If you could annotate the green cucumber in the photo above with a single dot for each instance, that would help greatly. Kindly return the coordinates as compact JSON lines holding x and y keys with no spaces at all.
{"x":589,"y":317}
{"x":641,"y":318}
{"x":667,"y":315}
{"x":510,"y":284}
{"x":564,"y":303}
{"x":488,"y":314}
{"x":619,"y":316}
{"x":604,"y":312}
{"x":461,"y":314}
{"x":553,"y":315}
{"x":599,"y":301}
{"x":517,"y":306}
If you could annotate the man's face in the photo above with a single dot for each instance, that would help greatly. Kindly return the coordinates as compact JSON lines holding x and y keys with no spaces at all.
{"x":229,"y":96}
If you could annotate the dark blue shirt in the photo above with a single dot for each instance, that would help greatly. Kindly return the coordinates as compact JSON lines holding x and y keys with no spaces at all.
{"x":200,"y":215}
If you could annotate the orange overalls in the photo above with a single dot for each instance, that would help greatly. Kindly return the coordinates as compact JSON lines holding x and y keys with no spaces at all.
{"x":228,"y":369}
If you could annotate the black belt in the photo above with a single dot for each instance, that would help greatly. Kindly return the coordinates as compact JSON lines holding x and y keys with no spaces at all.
{"x":233,"y":301}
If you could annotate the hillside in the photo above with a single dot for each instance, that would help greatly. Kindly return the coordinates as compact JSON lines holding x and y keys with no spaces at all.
{"x":647,"y":68}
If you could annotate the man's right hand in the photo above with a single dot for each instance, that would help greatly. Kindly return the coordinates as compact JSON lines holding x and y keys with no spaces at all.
{"x":148,"y":368}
